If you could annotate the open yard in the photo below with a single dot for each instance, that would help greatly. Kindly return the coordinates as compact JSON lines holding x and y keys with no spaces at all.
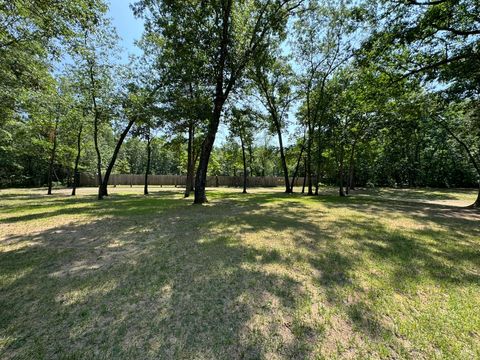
{"x":380,"y":274}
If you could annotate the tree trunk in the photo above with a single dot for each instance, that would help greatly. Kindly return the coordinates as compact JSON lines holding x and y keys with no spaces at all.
{"x":318,"y":165}
{"x":341,"y":191}
{"x":76,"y":175}
{"x":190,"y":161}
{"x":319,"y":160}
{"x":350,"y":168}
{"x":476,"y":204}
{"x":308,"y":166}
{"x":304,"y":176}
{"x":220,"y":97}
{"x":309,"y":162}
{"x":103,"y":187}
{"x":149,"y":156}
{"x":288,"y":190}
{"x":52,"y":157}
{"x":250,"y":159}
{"x":295,"y":173}
{"x":207,"y":145}
{"x":351,"y":177}
{"x":96,"y":119}
{"x":244,"y":158}
{"x":99,"y":158}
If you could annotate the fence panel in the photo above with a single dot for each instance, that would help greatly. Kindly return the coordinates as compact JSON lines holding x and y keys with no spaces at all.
{"x":180,"y":180}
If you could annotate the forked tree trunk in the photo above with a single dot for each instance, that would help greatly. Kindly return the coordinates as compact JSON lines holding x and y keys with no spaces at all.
{"x":52,"y":157}
{"x":76,"y":175}
{"x":149,"y":156}
{"x":103,"y":187}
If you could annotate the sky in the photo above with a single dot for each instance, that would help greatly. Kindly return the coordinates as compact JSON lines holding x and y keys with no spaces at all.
{"x":128,"y":27}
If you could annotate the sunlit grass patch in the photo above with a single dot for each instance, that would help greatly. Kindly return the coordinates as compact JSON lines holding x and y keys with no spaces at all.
{"x":380,"y":274}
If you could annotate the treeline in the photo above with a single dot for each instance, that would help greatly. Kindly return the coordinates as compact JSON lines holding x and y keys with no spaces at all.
{"x":373,"y":93}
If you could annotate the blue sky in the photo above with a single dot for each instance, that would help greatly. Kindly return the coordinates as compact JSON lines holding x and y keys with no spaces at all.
{"x":128,"y":27}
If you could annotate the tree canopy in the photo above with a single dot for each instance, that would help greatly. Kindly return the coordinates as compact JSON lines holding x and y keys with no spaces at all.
{"x":365,"y":93}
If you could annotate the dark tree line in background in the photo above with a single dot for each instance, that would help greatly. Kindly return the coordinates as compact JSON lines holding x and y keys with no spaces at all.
{"x":370,"y":93}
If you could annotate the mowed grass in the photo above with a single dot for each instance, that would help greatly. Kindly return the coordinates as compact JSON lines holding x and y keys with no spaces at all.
{"x":380,"y":274}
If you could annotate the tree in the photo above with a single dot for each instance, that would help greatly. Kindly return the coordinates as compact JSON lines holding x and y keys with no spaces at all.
{"x":33,"y":33}
{"x":135,"y":109}
{"x":273,"y":79}
{"x":242,"y":126}
{"x":228,"y":35}
{"x":323,"y":44}
{"x":461,"y":122}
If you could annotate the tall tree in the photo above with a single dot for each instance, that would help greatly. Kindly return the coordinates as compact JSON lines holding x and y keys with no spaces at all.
{"x":273,"y":79}
{"x":242,"y":126}
{"x":228,"y":35}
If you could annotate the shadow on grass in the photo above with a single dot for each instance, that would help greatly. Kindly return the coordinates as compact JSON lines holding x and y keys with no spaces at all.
{"x":154,"y":277}
{"x":133,"y":285}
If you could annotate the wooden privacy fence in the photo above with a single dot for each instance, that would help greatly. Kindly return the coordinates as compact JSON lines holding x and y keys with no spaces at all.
{"x":180,"y":180}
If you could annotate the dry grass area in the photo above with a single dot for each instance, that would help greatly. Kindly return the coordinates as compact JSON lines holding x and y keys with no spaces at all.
{"x":380,"y":274}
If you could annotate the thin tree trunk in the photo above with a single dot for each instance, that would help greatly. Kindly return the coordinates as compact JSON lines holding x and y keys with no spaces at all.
{"x":76,"y":175}
{"x":52,"y":157}
{"x":96,"y":119}
{"x":351,"y":177}
{"x":341,"y":191}
{"x":104,"y":185}
{"x":309,"y":160}
{"x":194,"y":161}
{"x":250,"y":159}
{"x":319,"y":160}
{"x":244,"y":158}
{"x":149,"y":156}
{"x":282,"y":153}
{"x":304,"y":175}
{"x":190,"y":160}
{"x":319,"y":136}
{"x":318,"y":164}
{"x":350,"y":168}
{"x":295,"y":173}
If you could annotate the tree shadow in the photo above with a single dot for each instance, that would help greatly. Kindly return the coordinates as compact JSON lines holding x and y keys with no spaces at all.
{"x":155,"y":277}
{"x":132,"y":285}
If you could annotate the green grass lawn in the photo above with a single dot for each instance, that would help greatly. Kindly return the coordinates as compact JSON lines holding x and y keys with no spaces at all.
{"x":380,"y":274}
